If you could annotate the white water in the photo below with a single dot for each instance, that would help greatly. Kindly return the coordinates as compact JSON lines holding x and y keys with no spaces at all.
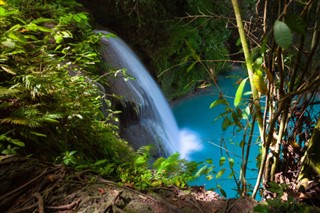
{"x":155,"y":115}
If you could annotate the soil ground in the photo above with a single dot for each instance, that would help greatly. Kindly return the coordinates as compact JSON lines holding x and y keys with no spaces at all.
{"x":30,"y":185}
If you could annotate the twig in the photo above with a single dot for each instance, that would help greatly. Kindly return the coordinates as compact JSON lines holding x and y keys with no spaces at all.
{"x":26,"y":184}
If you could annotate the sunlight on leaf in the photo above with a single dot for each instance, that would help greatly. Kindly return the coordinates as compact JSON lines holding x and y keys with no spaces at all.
{"x":239,"y":92}
{"x":222,"y":161}
{"x":217,"y":102}
{"x":200,"y":171}
{"x":231,"y":162}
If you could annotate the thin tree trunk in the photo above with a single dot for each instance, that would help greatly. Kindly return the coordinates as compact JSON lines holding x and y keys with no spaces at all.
{"x":255,"y":94}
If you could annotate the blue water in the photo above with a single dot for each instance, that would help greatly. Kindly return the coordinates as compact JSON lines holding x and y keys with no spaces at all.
{"x":203,"y":137}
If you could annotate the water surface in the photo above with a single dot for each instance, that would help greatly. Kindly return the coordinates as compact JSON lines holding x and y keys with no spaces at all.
{"x":203,"y":137}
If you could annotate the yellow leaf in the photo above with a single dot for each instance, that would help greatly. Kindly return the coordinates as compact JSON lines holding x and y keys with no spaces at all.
{"x":2,"y":2}
{"x":259,"y":83}
{"x":7,"y":69}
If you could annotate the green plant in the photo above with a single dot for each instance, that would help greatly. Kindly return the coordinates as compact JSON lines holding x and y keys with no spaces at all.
{"x":188,"y":59}
{"x":163,"y":172}
{"x":285,"y":78}
{"x":67,"y":158}
{"x":49,"y":69}
{"x":282,"y":202}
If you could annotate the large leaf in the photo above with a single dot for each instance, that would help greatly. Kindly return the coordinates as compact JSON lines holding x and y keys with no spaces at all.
{"x":239,"y":92}
{"x":282,"y":34}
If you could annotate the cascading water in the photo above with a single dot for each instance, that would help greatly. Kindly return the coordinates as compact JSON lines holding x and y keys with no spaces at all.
{"x":148,"y":117}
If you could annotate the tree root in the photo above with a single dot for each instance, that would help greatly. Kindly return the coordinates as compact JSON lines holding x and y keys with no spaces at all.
{"x":30,"y":185}
{"x":65,"y":207}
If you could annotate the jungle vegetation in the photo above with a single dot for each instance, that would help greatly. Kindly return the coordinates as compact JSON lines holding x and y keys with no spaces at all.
{"x":50,"y":105}
{"x":51,"y":102}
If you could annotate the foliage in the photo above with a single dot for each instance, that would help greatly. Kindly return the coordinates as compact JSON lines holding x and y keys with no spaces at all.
{"x":284,"y":73}
{"x":208,"y":169}
{"x":50,"y":103}
{"x":165,"y":172}
{"x":173,"y":44}
{"x":282,"y":202}
{"x":140,"y":173}
{"x":277,"y":205}
{"x":193,"y":47}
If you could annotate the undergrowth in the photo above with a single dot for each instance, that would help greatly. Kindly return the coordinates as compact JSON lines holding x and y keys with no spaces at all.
{"x":51,"y":107}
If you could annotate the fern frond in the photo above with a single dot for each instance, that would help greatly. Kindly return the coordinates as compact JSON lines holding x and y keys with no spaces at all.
{"x":8,"y":91}
{"x":5,"y":105}
{"x":38,"y":134}
{"x":30,"y":117}
{"x":16,"y":142}
{"x":51,"y":118}
{"x":143,"y":150}
{"x":20,"y":121}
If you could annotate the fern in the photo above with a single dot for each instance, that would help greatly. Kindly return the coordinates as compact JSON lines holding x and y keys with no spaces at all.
{"x":143,"y":150}
{"x":6,"y":138}
{"x":4,"y":92}
{"x":30,"y":117}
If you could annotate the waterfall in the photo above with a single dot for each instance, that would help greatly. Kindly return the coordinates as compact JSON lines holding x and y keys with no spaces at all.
{"x":147,"y":117}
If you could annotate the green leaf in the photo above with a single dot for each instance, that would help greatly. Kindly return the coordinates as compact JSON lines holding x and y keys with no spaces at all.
{"x":2,"y":12}
{"x":72,"y":153}
{"x":83,"y":16}
{"x":209,"y":177}
{"x":217,"y":102}
{"x":43,"y":29}
{"x":191,"y":66}
{"x":16,"y":142}
{"x":231,"y":162}
{"x":99,"y":162}
{"x":239,"y":92}
{"x":140,"y":160}
{"x":231,"y":174}
{"x":58,"y":38}
{"x":209,"y":161}
{"x":223,"y":193}
{"x":226,"y":123}
{"x":201,"y":171}
{"x":282,"y":34}
{"x":220,"y":173}
{"x":17,"y":37}
{"x":222,"y":161}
